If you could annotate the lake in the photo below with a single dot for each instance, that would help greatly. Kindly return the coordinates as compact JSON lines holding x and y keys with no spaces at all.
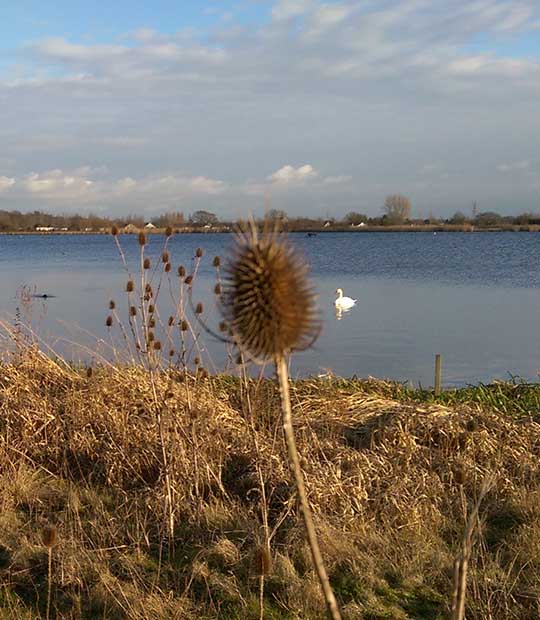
{"x":473,"y":297}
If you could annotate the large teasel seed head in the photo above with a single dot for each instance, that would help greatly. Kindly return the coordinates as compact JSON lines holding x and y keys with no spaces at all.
{"x":168,"y":231}
{"x":142,"y":239}
{"x":130,"y":286}
{"x":109,"y":321}
{"x":146,"y":263}
{"x":114,"y":231}
{"x":181,"y":271}
{"x":267,"y":299}
{"x":199,"y":252}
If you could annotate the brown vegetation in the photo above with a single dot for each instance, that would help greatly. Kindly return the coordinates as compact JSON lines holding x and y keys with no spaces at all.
{"x":389,"y":481}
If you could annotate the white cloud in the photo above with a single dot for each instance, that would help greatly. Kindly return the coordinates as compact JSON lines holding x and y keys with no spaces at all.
{"x":289,"y":174}
{"x":56,"y":183}
{"x":6,"y":183}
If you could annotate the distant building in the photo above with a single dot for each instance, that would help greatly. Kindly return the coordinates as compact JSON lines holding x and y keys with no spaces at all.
{"x":44,"y":228}
{"x":130,"y":228}
{"x":149,"y":226}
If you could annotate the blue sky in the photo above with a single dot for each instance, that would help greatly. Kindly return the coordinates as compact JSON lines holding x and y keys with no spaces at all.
{"x":103,"y":22}
{"x":317,"y":106}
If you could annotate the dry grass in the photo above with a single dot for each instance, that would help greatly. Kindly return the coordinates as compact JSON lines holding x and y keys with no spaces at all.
{"x":389,"y":478}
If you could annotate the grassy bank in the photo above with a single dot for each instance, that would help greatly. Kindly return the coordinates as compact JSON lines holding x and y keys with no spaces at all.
{"x":391,"y":476}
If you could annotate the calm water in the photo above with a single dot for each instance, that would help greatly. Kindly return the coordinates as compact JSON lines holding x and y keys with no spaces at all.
{"x":473,"y":297}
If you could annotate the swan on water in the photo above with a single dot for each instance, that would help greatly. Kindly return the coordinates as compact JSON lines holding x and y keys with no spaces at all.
{"x":343,"y":303}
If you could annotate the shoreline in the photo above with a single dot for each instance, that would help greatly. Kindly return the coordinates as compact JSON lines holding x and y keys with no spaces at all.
{"x":307,"y":231}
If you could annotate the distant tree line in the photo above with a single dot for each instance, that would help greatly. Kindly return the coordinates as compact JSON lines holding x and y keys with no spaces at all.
{"x":396,"y":210}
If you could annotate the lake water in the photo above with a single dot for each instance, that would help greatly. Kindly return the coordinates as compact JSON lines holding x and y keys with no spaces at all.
{"x":473,"y":297}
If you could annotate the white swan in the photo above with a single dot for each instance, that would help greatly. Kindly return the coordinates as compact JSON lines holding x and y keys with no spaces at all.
{"x":343,"y":303}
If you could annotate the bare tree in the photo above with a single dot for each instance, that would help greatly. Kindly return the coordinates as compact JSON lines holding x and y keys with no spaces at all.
{"x":356,"y":218}
{"x":397,"y":208}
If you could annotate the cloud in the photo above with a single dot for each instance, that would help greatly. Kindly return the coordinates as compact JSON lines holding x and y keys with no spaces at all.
{"x":518,"y":165}
{"x":287,"y":9}
{"x":56,"y":183}
{"x":6,"y":183}
{"x":368,"y":92}
{"x":289,"y":174}
{"x":90,"y":188}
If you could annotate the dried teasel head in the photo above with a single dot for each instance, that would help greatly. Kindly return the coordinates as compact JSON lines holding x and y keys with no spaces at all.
{"x":217,"y":289}
{"x":151,"y":308}
{"x":199,"y":252}
{"x":112,"y":305}
{"x":142,"y":239}
{"x":171,"y":353}
{"x":152,"y":323}
{"x":130,"y":286}
{"x":267,"y":299}
{"x":133,"y":311}
{"x":157,"y":345}
{"x":181,"y":271}
{"x":49,"y":536}
{"x":217,"y":261}
{"x":108,"y":321}
{"x":148,"y":288}
{"x":146,"y":263}
{"x":114,"y":231}
{"x":167,"y":267}
{"x":188,"y":280}
{"x":168,"y":231}
{"x":171,"y":321}
{"x":199,"y":308}
{"x":184,"y":326}
{"x":165,"y":257}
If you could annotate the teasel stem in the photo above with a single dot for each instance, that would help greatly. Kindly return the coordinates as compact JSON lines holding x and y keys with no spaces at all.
{"x":283,"y":378}
{"x":49,"y":579}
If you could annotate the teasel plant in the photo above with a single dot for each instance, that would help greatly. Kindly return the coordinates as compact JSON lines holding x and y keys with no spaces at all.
{"x":49,"y":538}
{"x":269,"y":307}
{"x":158,"y":339}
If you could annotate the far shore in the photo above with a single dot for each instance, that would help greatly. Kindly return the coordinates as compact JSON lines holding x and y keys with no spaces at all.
{"x":406,"y":228}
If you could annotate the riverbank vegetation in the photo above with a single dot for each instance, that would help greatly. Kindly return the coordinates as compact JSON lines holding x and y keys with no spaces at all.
{"x":392,"y":476}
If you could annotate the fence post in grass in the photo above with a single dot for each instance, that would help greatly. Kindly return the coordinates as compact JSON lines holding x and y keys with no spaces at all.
{"x":438,"y":374}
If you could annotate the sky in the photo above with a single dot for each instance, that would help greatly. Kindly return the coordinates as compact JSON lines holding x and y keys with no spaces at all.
{"x":317,"y":108}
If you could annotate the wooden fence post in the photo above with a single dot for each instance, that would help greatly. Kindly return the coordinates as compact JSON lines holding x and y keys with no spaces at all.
{"x":438,"y":374}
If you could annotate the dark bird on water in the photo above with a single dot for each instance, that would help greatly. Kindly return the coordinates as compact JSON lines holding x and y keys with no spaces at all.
{"x":43,"y":296}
